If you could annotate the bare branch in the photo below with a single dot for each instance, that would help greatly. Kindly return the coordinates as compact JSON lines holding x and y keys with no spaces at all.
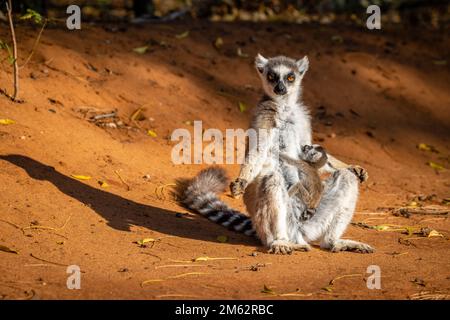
{"x":13,"y":36}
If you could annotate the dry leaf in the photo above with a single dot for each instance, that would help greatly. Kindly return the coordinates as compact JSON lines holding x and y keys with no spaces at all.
{"x":242,"y":106}
{"x":144,"y":241}
{"x":440,"y":62}
{"x":152,"y":133}
{"x":6,"y":121}
{"x":137,"y":115}
{"x":426,"y":147}
{"x":241,"y":54}
{"x":413,"y":204}
{"x":337,"y":39}
{"x":267,"y":290}
{"x":218,"y":43}
{"x":222,"y":239}
{"x":382,"y":227}
{"x":419,"y":282}
{"x":182,"y":35}
{"x":435,"y":166}
{"x":141,"y":50}
{"x":103,"y":184}
{"x":6,"y":249}
{"x":80,"y":177}
{"x":434,"y":233}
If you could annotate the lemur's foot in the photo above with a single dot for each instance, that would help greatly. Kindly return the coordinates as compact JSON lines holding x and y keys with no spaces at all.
{"x":307,"y":214}
{"x":301,"y":247}
{"x":360,"y":173}
{"x":280,"y":247}
{"x":237,"y":187}
{"x":350,"y":245}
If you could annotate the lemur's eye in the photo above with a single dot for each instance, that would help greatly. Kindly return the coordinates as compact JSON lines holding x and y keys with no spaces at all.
{"x":290,"y":78}
{"x":270,"y":76}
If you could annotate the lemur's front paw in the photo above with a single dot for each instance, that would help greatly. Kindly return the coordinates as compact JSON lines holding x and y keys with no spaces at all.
{"x":237,"y":187}
{"x":301,"y":247}
{"x":360,"y":173}
{"x":280,"y":247}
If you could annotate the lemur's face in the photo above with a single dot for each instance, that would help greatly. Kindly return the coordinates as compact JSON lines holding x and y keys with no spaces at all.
{"x":314,"y":153}
{"x":281,"y":76}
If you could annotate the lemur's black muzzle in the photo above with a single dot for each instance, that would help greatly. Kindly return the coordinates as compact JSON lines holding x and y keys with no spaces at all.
{"x":280,"y":89}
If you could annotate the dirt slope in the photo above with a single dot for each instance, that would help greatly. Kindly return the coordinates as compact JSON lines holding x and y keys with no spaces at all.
{"x":374,"y":97}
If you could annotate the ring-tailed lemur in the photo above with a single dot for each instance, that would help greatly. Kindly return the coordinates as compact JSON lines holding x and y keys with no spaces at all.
{"x":309,"y":188}
{"x":275,"y":217}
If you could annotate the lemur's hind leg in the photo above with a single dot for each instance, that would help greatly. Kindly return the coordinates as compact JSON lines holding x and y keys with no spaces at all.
{"x":270,"y":213}
{"x":334,"y":214}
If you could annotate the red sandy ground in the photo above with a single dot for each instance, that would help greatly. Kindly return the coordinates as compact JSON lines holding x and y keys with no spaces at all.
{"x":398,"y":95}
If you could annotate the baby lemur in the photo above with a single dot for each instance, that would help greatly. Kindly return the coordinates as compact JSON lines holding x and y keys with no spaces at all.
{"x":309,"y":188}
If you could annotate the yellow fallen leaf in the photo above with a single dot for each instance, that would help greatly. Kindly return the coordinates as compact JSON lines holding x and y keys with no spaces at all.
{"x":222,"y":239}
{"x":144,"y":241}
{"x":435,"y":166}
{"x":440,"y":62}
{"x":381,"y":227}
{"x":218,"y":43}
{"x":182,"y":35}
{"x":328,"y":288}
{"x":242,"y":106}
{"x":241,"y":54}
{"x":426,"y":147}
{"x":267,"y":290}
{"x":103,"y":184}
{"x":141,"y":50}
{"x":337,"y":39}
{"x":413,"y":204}
{"x":80,"y":177}
{"x":152,"y":133}
{"x":434,"y":233}
{"x":6,"y":249}
{"x":6,"y":121}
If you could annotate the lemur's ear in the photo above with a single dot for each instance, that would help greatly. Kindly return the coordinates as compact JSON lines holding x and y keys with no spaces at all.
{"x":303,"y":65}
{"x":260,"y":62}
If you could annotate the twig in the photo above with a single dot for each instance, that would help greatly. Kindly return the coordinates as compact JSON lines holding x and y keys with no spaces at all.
{"x":153,"y":255}
{"x":176,"y":295}
{"x":36,"y":42}
{"x":173,"y":277}
{"x":48,"y":228}
{"x":121,"y":179}
{"x":12,"y":224}
{"x":13,"y":36}
{"x":407,"y":212}
{"x":180,"y":265}
{"x":104,"y":116}
{"x":39,"y":265}
{"x":55,"y":263}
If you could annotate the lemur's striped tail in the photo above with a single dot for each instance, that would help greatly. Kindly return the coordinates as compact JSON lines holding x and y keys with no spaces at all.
{"x":200,"y":195}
